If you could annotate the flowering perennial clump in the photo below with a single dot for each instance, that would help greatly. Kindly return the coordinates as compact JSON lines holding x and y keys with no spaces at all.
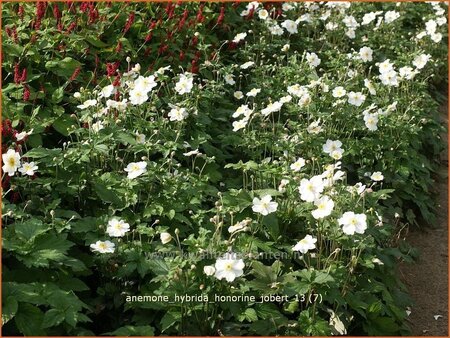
{"x":187,"y":150}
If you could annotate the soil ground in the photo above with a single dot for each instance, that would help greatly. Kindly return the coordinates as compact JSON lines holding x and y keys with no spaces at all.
{"x":427,"y":280}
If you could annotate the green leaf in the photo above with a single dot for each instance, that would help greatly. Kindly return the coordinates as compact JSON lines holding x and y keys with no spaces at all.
{"x":102,"y":148}
{"x":72,"y":284}
{"x":375,"y":307}
{"x":263,"y":327}
{"x":271,"y":223}
{"x":170,"y":319}
{"x":125,"y":138}
{"x":133,"y":331}
{"x":28,"y":230}
{"x":12,"y":49}
{"x":153,"y":209}
{"x":171,"y":214}
{"x":53,"y":317}
{"x":63,"y":125}
{"x":158,"y":266}
{"x":64,"y":67}
{"x":58,"y":95}
{"x":264,"y":192}
{"x":95,"y":42}
{"x":35,"y":140}
{"x":42,"y":152}
{"x":9,"y":309}
{"x":250,"y":315}
{"x":107,"y":195}
{"x":322,"y":277}
{"x":29,"y":320}
{"x":262,"y":272}
{"x":268,"y":311}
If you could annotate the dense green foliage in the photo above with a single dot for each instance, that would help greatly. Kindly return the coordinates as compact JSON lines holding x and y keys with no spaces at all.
{"x":202,"y":174}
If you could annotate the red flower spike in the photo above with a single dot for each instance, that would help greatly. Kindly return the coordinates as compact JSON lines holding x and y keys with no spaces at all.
{"x":162,"y":48}
{"x":185,"y":14}
{"x":20,"y":12}
{"x":84,"y":6}
{"x":111,"y":68}
{"x":17,"y":75}
{"x":119,"y":47}
{"x":129,"y":23}
{"x":56,"y":12}
{"x":194,"y":67}
{"x":278,"y":13}
{"x":37,"y":25}
{"x":75,"y":74}
{"x":14,"y":35}
{"x":71,"y":27}
{"x":40,"y":10}
{"x":149,"y":37}
{"x":23,"y":78}
{"x":221,"y":15}
{"x":116,"y":82}
{"x":6,"y":129}
{"x":26,"y":93}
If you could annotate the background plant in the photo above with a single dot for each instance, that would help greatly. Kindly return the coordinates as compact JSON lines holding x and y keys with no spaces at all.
{"x":201,"y":177}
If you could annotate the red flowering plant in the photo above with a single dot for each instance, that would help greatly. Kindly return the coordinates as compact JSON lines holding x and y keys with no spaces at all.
{"x":157,"y":154}
{"x":63,"y":46}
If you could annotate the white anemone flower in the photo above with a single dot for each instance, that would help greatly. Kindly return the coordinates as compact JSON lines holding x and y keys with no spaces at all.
{"x":184,"y":84}
{"x":11,"y":162}
{"x":87,"y":104}
{"x":324,"y":206}
{"x":178,"y":114}
{"x":229,"y":267}
{"x":290,"y":26}
{"x":306,"y":244}
{"x":297,"y":165}
{"x":28,"y":168}
{"x":311,"y":189}
{"x":103,"y":247}
{"x":377,"y":176}
{"x":265,"y":205}
{"x":353,"y":223}
{"x":135,"y":169}
{"x":117,"y":227}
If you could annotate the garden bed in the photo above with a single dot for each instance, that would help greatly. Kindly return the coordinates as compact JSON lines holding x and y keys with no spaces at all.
{"x":217,"y":168}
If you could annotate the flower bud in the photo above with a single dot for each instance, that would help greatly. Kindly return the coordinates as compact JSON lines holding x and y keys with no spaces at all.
{"x":165,"y":237}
